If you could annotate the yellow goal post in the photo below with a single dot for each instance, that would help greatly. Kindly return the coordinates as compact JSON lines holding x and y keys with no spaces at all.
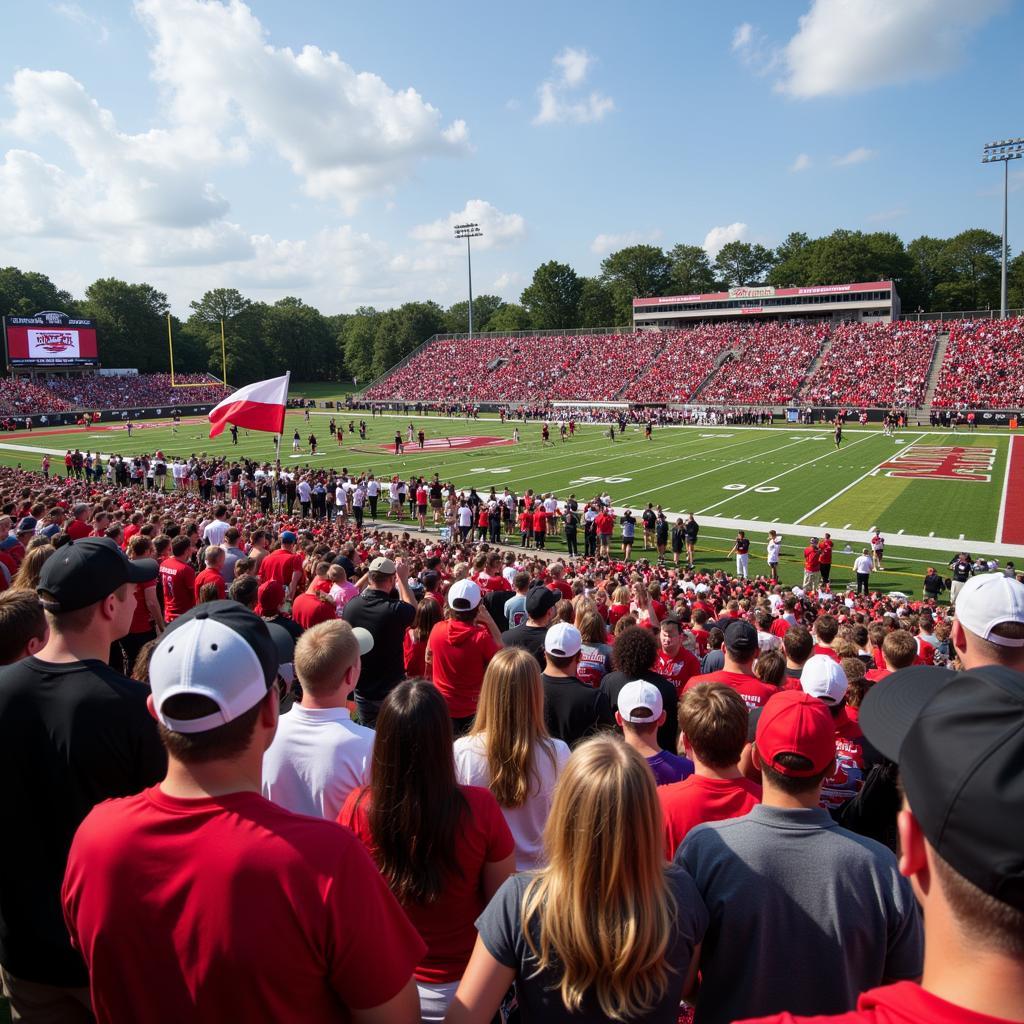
{"x":223,"y":358}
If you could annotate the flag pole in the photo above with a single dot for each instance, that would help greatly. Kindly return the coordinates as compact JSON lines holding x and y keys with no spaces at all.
{"x":223,"y":355}
{"x":287,"y":386}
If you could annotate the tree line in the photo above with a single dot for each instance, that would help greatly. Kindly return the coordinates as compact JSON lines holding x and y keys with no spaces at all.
{"x":264,"y":339}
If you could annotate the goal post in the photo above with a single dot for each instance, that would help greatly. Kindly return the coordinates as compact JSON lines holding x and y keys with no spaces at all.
{"x":223,"y":358}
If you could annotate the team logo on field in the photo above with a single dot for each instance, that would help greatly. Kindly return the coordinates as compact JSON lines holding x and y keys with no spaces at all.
{"x":444,"y":443}
{"x":928,"y":462}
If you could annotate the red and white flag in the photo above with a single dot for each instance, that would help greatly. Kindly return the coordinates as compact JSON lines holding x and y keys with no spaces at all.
{"x":258,"y":406}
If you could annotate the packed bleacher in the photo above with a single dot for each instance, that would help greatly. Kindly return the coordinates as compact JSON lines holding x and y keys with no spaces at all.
{"x":491,"y":726}
{"x":982,"y":366}
{"x":62,"y":393}
{"x":874,"y":365}
{"x":687,"y":359}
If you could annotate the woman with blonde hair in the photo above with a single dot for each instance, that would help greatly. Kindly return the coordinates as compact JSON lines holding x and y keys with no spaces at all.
{"x":608,"y":931}
{"x":27,"y":576}
{"x":509,"y":751}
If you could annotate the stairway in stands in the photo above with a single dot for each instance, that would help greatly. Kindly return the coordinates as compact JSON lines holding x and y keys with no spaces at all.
{"x":813,"y":368}
{"x":935,"y":370}
{"x":655,"y":356}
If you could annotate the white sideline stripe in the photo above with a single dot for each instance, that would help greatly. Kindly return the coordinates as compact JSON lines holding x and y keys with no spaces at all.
{"x":1006,"y":490}
{"x":871,"y":472}
{"x":785,"y":472}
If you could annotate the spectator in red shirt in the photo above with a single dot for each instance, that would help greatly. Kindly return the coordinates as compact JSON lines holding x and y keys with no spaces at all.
{"x":674,"y":661}
{"x":712,"y":733}
{"x":812,"y":565}
{"x":825,"y":558}
{"x":557,"y":583}
{"x":313,"y":607}
{"x":444,"y":849}
{"x":899,"y":650}
{"x":740,"y":650}
{"x":312,"y":929}
{"x":178,"y":579}
{"x":213,"y":557}
{"x":604,"y":525}
{"x":458,"y":651}
{"x":540,"y":526}
{"x":414,"y":645}
{"x":825,"y":630}
{"x":77,"y":527}
{"x":284,"y":565}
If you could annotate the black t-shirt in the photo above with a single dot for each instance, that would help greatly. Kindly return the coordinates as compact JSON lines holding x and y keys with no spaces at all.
{"x":387,"y":617}
{"x":742,"y":545}
{"x":649,"y":517}
{"x":661,"y":531}
{"x":691,"y":530}
{"x":573,"y":711}
{"x":530,"y":638}
{"x":71,"y":736}
{"x":293,"y":629}
{"x":668,"y":734}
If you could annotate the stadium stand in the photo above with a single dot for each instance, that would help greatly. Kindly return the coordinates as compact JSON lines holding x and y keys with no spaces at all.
{"x":874,"y":365}
{"x":981,"y":367}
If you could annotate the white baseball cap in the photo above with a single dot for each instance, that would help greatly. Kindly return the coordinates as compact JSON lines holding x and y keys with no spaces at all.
{"x":987,"y":601}
{"x":563,"y":640}
{"x":823,"y":677}
{"x":463,"y":596}
{"x":640,"y":702}
{"x":219,"y":650}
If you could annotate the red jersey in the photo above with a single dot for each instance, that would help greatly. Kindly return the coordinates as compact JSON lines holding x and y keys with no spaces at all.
{"x":755,"y":694}
{"x":246,"y":912}
{"x":779,"y":628}
{"x":827,"y":651}
{"x":413,"y":654}
{"x":540,"y":520}
{"x":448,"y":925}
{"x":561,"y":588}
{"x":309,"y":610}
{"x":604,"y":524}
{"x":812,"y":559}
{"x":78,"y":528}
{"x":460,"y":652}
{"x":687,"y":804}
{"x":280,"y":565}
{"x":142,"y":622}
{"x":178,"y":581}
{"x":210,"y":576}
{"x":825,"y":552}
{"x":701,"y":636}
{"x":678,"y":669}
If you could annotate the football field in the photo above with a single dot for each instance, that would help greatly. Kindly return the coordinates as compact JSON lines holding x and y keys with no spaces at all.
{"x":930,"y":493}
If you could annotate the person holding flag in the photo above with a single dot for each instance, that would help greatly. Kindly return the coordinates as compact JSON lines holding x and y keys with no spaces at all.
{"x":259,"y":406}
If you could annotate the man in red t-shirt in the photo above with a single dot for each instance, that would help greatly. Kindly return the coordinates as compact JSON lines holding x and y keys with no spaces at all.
{"x":313,"y":607}
{"x":825,"y":629}
{"x":284,"y":565}
{"x":713,"y":733}
{"x":812,"y":565}
{"x":254,"y":913}
{"x":214,"y":560}
{"x":178,"y":579}
{"x":540,"y":525}
{"x":78,"y":528}
{"x":459,"y":650}
{"x":674,"y":661}
{"x":604,"y":526}
{"x":825,"y":557}
{"x":558,"y":583}
{"x":740,"y":650}
{"x":899,"y":650}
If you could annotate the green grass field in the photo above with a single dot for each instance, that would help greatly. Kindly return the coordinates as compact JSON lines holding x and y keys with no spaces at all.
{"x":729,"y":477}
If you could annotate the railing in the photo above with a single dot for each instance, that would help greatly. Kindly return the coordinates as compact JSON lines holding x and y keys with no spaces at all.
{"x":965,"y":314}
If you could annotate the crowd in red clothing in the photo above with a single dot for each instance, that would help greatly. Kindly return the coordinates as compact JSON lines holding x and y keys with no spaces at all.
{"x":883,"y":365}
{"x":684,"y":364}
{"x":19,"y":396}
{"x":981,"y":367}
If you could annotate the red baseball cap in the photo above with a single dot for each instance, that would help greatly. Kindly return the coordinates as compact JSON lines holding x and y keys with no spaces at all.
{"x":794,"y":722}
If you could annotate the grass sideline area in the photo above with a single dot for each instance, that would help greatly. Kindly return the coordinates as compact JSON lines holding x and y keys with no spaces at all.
{"x":321,"y":390}
{"x":760,"y":476}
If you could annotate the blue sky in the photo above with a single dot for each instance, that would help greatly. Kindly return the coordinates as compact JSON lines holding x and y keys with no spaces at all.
{"x":323,"y":149}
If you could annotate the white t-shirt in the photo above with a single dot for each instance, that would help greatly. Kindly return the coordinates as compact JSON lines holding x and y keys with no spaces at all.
{"x":465,"y":515}
{"x":864,"y":564}
{"x":774,"y":547}
{"x":304,"y":491}
{"x":214,"y":532}
{"x":318,"y":756}
{"x":526,"y":823}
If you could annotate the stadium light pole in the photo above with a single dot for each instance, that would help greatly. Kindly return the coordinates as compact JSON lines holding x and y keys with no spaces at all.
{"x":1003,"y":152}
{"x":468,"y":231}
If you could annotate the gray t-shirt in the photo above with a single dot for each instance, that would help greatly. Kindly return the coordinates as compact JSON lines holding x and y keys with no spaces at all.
{"x":806,"y":914}
{"x":500,"y":928}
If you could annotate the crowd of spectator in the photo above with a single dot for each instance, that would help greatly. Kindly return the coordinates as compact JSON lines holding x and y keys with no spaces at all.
{"x":686,"y":360}
{"x":20,"y":396}
{"x":882,"y":365}
{"x":490,"y":727}
{"x":981,"y":367}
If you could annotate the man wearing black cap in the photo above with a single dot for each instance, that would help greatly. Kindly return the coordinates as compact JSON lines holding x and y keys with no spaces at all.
{"x":540,"y":607}
{"x":227,"y":906}
{"x":959,"y":742}
{"x":741,"y":649}
{"x":73,"y":732}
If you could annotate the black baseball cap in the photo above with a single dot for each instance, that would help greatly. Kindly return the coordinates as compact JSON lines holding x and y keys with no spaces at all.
{"x":959,"y":741}
{"x":740,"y":637}
{"x":85,"y":571}
{"x":539,"y":600}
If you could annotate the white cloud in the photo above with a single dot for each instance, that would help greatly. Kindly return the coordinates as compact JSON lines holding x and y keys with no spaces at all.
{"x":855,"y":156}
{"x":606,"y":243}
{"x":76,"y":15}
{"x":801,"y":163}
{"x":719,"y":236}
{"x":499,"y":229}
{"x":753,"y":49}
{"x":509,"y":281}
{"x":851,"y":46}
{"x":743,"y":36}
{"x":560,"y":98}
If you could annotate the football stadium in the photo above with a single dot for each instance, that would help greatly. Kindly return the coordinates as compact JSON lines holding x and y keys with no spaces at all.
{"x":636,"y":638}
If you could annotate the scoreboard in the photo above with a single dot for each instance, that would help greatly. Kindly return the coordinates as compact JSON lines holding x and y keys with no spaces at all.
{"x":49,"y":339}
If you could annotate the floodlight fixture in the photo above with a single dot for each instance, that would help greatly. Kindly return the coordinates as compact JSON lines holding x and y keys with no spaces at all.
{"x":1003,"y":151}
{"x":469,"y":231}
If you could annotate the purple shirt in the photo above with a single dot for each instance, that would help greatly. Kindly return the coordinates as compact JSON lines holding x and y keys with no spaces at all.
{"x":669,"y":768}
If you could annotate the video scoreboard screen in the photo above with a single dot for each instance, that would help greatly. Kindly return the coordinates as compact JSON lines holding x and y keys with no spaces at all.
{"x":50,"y":339}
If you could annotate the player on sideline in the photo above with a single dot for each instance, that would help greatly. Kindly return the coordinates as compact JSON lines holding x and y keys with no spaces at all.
{"x":399,"y":450}
{"x":611,"y":433}
{"x":545,"y":435}
{"x":562,"y":430}
{"x":296,"y":440}
{"x":741,"y":549}
{"x":312,"y":444}
{"x":838,"y":432}
{"x":648,"y":429}
{"x":515,"y":436}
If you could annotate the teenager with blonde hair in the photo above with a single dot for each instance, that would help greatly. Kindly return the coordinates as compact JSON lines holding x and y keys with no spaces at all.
{"x":509,"y":751}
{"x":608,"y":930}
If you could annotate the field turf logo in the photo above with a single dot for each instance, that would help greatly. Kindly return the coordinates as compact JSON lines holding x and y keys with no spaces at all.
{"x":927,"y":462}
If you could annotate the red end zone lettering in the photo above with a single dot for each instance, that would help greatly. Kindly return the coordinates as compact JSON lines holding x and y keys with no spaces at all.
{"x":444,"y":443}
{"x":928,"y":462}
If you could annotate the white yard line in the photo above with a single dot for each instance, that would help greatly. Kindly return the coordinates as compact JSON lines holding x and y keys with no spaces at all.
{"x":863,"y":476}
{"x":1006,"y":490}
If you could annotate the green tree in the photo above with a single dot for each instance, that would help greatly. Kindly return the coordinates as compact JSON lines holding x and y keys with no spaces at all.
{"x":357,"y":337}
{"x":402,"y":330}
{"x":298,"y":338}
{"x":792,"y":262}
{"x":638,"y":271}
{"x":243,"y":338}
{"x":970,"y":270}
{"x":1015,"y":282}
{"x":597,"y":304}
{"x":552,"y":298}
{"x":131,"y":323}
{"x":24,"y":293}
{"x":510,"y":317}
{"x":456,"y":317}
{"x":740,"y":263}
{"x":692,"y":273}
